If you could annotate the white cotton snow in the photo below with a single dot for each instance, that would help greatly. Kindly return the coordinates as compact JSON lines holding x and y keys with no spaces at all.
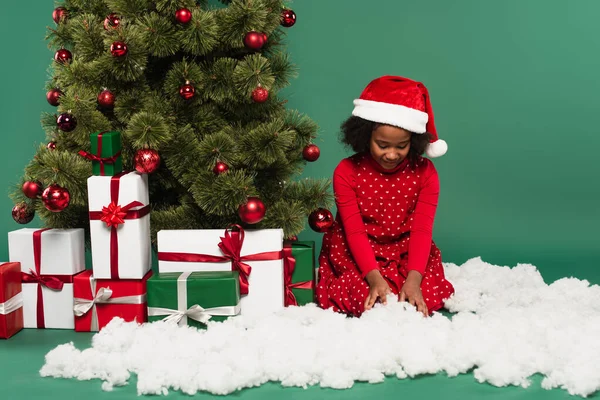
{"x":508,"y":326}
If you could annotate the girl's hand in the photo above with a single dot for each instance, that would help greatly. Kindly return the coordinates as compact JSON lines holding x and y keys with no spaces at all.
{"x":411,"y":292}
{"x":378,"y":288}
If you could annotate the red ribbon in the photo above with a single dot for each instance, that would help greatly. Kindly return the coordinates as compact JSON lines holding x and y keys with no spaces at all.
{"x":289,"y":265}
{"x":114,"y":215}
{"x":231,"y":247}
{"x":98,"y":157}
{"x":54,"y":282}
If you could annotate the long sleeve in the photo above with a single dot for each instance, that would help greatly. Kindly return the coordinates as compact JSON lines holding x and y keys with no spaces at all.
{"x":421,"y":231}
{"x":352,"y":222}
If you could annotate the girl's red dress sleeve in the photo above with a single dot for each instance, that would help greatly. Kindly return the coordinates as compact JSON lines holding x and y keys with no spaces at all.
{"x":421,"y":230}
{"x":354,"y":227}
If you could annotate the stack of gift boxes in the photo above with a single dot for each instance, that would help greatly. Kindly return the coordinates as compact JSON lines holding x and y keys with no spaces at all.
{"x":202,"y":275}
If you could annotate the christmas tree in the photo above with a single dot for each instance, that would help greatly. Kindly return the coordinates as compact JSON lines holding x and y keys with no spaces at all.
{"x":192,"y":89}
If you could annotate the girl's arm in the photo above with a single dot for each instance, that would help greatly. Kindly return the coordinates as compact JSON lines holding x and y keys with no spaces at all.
{"x":352,"y":222}
{"x":421,"y":230}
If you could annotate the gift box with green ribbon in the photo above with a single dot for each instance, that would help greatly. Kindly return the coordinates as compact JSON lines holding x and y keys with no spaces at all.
{"x":299,"y":265}
{"x":105,"y":153}
{"x":193,"y":298}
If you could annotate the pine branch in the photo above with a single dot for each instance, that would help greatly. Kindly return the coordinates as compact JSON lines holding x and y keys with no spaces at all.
{"x":199,"y":37}
{"x":231,"y":189}
{"x":252,"y":72}
{"x":147,"y":130}
{"x":86,"y":31}
{"x":159,"y":34}
{"x":282,"y":69}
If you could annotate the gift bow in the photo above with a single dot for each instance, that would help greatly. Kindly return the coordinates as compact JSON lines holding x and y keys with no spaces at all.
{"x":231,"y":247}
{"x":50,"y":282}
{"x":82,"y":306}
{"x":289,"y":265}
{"x":12,"y":304}
{"x":195,"y":312}
{"x":114,"y":215}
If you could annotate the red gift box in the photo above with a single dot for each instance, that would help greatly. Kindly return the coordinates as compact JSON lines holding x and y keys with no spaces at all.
{"x":11,"y":299}
{"x":98,"y":301}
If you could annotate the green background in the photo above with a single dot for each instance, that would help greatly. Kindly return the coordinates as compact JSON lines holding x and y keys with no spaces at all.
{"x":514,"y":88}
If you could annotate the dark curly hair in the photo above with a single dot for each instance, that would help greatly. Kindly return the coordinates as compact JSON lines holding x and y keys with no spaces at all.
{"x":356,"y":133}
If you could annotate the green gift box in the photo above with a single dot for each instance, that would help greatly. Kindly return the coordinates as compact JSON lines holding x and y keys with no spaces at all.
{"x":302,"y":283}
{"x":193,"y":298}
{"x":105,"y":153}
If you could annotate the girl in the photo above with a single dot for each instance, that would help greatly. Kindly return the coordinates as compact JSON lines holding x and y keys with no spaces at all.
{"x":386,"y":196}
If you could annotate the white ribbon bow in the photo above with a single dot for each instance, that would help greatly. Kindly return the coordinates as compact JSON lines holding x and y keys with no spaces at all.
{"x":82,"y":306}
{"x":195,"y":312}
{"x":12,"y":304}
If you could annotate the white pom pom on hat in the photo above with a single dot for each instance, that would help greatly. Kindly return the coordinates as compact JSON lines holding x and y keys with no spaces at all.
{"x":401,"y":102}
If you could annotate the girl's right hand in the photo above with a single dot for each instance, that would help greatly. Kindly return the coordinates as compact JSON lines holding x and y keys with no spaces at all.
{"x":378,"y":289}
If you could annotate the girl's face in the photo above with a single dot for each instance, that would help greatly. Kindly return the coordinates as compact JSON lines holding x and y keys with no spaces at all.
{"x":389,"y":145}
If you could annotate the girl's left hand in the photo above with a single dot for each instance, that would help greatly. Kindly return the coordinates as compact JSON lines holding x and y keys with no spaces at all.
{"x":411,"y":292}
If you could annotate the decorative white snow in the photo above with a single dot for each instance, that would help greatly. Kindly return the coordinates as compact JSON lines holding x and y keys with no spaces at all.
{"x":509,"y":325}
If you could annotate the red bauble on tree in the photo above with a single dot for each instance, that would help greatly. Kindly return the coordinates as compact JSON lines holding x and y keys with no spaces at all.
{"x":60,"y":14}
{"x":51,"y":145}
{"x":253,"y":211}
{"x":187,"y":91}
{"x":260,"y":95}
{"x":320,"y":220}
{"x":254,"y":40}
{"x":183,"y":16}
{"x":53,"y":97}
{"x":118,"y":49}
{"x":311,"y":152}
{"x":32,"y":189}
{"x":220,"y":168}
{"x":146,"y":161}
{"x":288,"y":18}
{"x":112,"y":21}
{"x":22,"y":213}
{"x":106,"y":99}
{"x":63,"y":56}
{"x":66,"y":122}
{"x":56,"y":198}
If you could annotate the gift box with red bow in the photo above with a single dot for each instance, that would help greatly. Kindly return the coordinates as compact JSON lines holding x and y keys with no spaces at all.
{"x":11,"y":300}
{"x":98,"y":301}
{"x":105,"y":153}
{"x":300,"y":273}
{"x":49,"y":258}
{"x":257,"y":255}
{"x":120,"y":225}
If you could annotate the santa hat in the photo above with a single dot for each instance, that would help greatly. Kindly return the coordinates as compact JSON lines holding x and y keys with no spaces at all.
{"x":401,"y":102}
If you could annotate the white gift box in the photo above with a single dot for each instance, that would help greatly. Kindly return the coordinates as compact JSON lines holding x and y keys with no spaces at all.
{"x":266,"y":280}
{"x":133,"y":236}
{"x":62,"y":255}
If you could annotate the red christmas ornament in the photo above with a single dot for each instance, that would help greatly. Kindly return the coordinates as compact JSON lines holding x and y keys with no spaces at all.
{"x":63,"y":56}
{"x":60,"y":14}
{"x":112,"y":21}
{"x":51,"y":145}
{"x":183,"y":15}
{"x":254,"y":40}
{"x":32,"y":189}
{"x":146,"y":161}
{"x":66,"y":122}
{"x":118,"y":49}
{"x":106,"y":99}
{"x":23,"y":213}
{"x":260,"y":95}
{"x":187,"y":91}
{"x":311,"y":152}
{"x":53,"y":97}
{"x":264,"y":37}
{"x":56,"y":198}
{"x":320,"y":220}
{"x":288,"y":18}
{"x":293,"y":238}
{"x":220,"y":168}
{"x":253,"y":211}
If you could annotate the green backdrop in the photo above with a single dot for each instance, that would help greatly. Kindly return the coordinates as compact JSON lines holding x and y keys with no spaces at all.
{"x":514,"y":88}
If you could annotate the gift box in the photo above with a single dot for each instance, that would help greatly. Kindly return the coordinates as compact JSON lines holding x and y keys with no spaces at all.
{"x":11,"y":300}
{"x":98,"y":301}
{"x":256,"y":255}
{"x":299,"y":272}
{"x":193,"y":298}
{"x":49,"y":259}
{"x":119,"y":225}
{"x":105,"y":153}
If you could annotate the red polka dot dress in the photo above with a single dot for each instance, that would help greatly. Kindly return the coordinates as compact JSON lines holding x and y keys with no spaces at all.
{"x":384,"y":221}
